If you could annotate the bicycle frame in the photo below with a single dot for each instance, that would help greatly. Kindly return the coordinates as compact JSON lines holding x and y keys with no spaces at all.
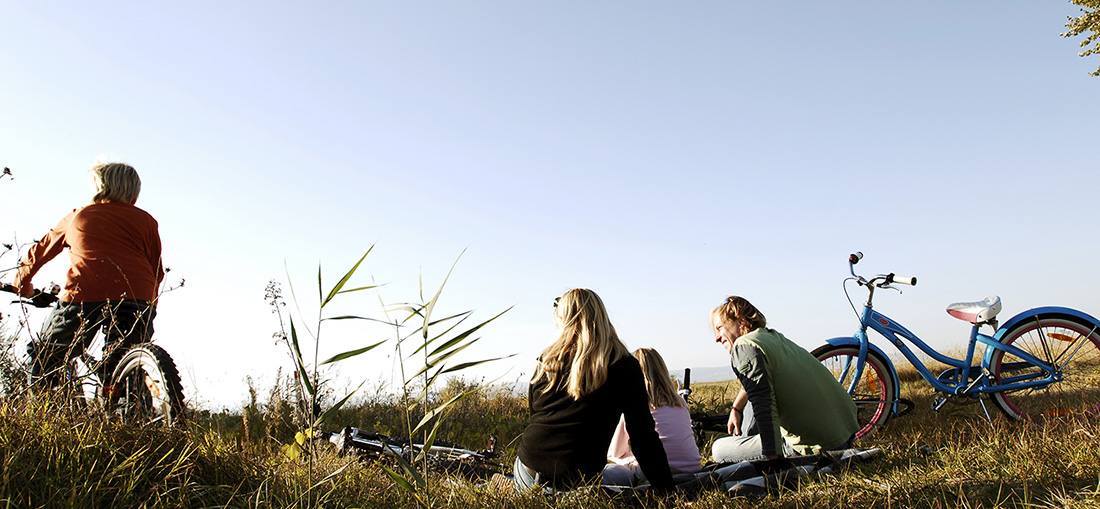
{"x":960,"y":382}
{"x":964,"y":378}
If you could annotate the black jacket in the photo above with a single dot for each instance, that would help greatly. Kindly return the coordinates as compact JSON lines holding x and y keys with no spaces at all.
{"x":566,"y":440}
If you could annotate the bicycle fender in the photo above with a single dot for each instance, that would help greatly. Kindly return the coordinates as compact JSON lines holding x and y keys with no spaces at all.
{"x":855,"y":343}
{"x":1040,"y":313}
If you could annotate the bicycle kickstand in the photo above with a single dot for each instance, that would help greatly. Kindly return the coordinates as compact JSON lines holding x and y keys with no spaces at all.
{"x":986,"y":410}
{"x":984,"y":377}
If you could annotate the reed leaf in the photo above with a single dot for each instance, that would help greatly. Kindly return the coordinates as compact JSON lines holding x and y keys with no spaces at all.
{"x":445,"y":332}
{"x":428,"y":384}
{"x":431,"y":363}
{"x":359,"y":289}
{"x":324,"y":417}
{"x":428,"y":442}
{"x":351,"y":353}
{"x":442,"y":407}
{"x":294,"y":298}
{"x":466,"y":365}
{"x":465,"y":334}
{"x":397,"y":478}
{"x":353,"y":317}
{"x":298,"y":362}
{"x":330,"y":476}
{"x":435,"y":298}
{"x":336,"y":289}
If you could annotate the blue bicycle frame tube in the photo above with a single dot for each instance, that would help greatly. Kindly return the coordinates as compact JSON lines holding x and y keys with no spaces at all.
{"x":856,"y":343}
{"x":891,"y":330}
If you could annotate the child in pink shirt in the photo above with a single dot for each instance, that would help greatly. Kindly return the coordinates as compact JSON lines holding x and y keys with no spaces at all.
{"x":673,"y":419}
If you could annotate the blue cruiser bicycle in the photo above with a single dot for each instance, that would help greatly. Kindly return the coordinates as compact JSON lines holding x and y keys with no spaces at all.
{"x":1042,"y":363}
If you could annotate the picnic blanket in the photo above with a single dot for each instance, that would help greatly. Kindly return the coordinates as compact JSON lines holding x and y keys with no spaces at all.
{"x":758,"y":478}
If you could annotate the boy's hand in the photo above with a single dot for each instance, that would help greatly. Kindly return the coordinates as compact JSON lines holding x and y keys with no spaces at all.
{"x":734,"y":424}
{"x":16,"y":289}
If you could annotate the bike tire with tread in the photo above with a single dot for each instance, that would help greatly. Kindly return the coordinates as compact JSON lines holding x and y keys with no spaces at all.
{"x":146,"y":387}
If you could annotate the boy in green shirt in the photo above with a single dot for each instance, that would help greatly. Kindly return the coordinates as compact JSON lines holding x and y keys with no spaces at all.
{"x":793,"y":404}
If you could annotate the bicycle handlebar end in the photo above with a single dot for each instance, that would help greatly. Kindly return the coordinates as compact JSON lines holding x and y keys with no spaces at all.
{"x":892,"y":278}
{"x":855,"y":257}
{"x":40,"y":299}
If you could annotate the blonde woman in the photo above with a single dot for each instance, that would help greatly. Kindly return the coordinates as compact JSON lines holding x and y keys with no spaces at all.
{"x":670,"y":413}
{"x":114,"y":273}
{"x":584,"y":381}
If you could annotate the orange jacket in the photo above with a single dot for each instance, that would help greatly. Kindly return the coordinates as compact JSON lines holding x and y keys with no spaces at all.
{"x":114,"y":253}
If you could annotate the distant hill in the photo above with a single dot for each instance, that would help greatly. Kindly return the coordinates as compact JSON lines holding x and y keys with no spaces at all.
{"x":718,"y":374}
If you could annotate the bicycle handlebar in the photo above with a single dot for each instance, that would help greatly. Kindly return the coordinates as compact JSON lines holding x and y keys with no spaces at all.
{"x":40,"y":299}
{"x":881,"y":280}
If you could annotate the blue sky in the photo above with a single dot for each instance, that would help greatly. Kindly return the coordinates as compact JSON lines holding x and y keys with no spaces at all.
{"x":663,"y":154}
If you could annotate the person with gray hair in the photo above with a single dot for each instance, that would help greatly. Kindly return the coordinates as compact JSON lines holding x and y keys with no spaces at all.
{"x":113,"y":280}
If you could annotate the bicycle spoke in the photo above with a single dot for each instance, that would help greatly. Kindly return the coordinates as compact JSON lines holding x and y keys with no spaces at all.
{"x":872,"y":393}
{"x":1074,"y":352}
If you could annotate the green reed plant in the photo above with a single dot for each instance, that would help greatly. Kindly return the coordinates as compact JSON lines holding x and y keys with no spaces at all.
{"x":424,"y":345}
{"x":432,"y":351}
{"x":309,"y":375}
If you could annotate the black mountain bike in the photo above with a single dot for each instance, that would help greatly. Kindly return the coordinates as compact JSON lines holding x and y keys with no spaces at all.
{"x":143,"y":387}
{"x":702,"y":423}
{"x":442,"y":457}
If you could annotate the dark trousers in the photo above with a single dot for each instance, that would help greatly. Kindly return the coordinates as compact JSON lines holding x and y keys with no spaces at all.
{"x":71,"y":326}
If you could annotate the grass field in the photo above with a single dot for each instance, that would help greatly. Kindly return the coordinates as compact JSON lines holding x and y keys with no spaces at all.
{"x":51,"y":457}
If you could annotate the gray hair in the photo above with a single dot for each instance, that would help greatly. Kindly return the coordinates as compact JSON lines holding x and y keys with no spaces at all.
{"x":115,"y":182}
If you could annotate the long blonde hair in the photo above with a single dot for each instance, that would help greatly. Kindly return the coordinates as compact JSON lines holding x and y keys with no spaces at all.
{"x":585,"y":348}
{"x":658,"y":383}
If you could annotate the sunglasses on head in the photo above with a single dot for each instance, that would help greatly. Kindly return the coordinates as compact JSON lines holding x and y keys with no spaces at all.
{"x":556,"y":299}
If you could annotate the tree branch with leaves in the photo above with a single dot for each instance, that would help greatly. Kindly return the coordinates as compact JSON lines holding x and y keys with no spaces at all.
{"x":1088,"y":23}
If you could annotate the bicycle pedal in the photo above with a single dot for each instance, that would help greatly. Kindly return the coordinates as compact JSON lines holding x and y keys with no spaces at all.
{"x":938,"y":402}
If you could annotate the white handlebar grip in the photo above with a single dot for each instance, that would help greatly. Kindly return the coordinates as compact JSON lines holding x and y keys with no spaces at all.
{"x":911,"y":281}
{"x":855,"y":257}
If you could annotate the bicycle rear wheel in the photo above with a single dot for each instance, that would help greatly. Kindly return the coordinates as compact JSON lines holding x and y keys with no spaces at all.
{"x":873,"y":394}
{"x":146,"y":387}
{"x":1073,"y":347}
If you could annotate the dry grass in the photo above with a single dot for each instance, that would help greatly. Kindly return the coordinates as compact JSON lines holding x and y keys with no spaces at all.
{"x":954,"y":458}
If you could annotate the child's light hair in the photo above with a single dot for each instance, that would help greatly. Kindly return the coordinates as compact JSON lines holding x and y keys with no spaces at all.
{"x":114,"y":182}
{"x":586,"y":346}
{"x":658,"y":383}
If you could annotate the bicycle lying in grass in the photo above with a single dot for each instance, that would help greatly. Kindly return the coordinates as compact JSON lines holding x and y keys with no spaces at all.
{"x":142,"y":388}
{"x":1042,"y":363}
{"x":442,"y":457}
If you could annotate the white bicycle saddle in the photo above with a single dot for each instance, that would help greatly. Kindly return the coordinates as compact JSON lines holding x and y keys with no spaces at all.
{"x":976,"y":312}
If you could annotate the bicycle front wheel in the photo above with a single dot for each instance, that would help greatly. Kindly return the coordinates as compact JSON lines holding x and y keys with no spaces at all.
{"x":874,"y":393}
{"x":1072,"y":347}
{"x":146,"y":387}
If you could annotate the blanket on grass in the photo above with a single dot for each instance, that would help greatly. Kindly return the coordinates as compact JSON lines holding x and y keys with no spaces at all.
{"x":758,"y":478}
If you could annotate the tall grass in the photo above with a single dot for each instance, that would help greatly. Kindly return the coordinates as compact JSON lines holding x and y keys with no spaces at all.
{"x":51,"y":456}
{"x":954,"y":458}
